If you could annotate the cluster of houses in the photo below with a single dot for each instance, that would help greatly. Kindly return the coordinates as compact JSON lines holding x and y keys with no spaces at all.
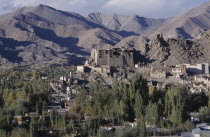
{"x":201,"y":130}
{"x":195,"y":77}
{"x":178,"y":70}
{"x":110,"y":62}
{"x":62,"y":100}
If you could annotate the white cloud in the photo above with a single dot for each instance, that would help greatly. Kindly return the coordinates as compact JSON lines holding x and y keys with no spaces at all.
{"x":149,"y":8}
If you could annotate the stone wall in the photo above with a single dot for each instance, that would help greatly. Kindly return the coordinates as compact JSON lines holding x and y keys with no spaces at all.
{"x":143,"y":69}
{"x":158,"y":74}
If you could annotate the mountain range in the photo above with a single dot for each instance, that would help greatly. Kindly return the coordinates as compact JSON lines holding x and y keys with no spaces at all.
{"x":44,"y":35}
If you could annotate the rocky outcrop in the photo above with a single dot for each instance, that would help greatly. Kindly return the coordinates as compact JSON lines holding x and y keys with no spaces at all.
{"x":160,"y":51}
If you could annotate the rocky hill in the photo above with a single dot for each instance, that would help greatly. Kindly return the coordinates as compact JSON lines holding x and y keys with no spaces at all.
{"x":188,"y":25}
{"x":133,"y":24}
{"x":171,"y":51}
{"x":42,"y":34}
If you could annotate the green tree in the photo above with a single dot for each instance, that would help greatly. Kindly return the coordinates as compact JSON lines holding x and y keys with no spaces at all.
{"x":204,"y":114}
{"x":70,"y":128}
{"x":142,"y":127}
{"x":127,"y":132}
{"x":209,"y":100}
{"x":104,"y":133}
{"x":44,"y":108}
{"x":36,"y":75}
{"x":11,"y":98}
{"x":33,"y":126}
{"x":53,"y":119}
{"x":19,"y":132}
{"x":3,"y":133}
{"x":39,"y":106}
{"x":6,"y":95}
{"x":152,"y":114}
{"x":176,"y":104}
{"x":139,"y":106}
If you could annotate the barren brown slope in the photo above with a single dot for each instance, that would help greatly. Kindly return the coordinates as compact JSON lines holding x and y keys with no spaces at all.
{"x":187,"y":25}
{"x":127,"y":24}
{"x":160,"y":51}
{"x":51,"y":35}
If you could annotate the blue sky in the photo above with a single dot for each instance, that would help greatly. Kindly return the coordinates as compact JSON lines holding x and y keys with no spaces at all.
{"x":147,"y":8}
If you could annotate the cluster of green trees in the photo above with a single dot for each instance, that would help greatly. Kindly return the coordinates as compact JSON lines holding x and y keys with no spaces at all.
{"x":25,"y":91}
{"x":161,"y":108}
{"x":66,"y":125}
{"x":204,"y":112}
{"x":19,"y":95}
{"x":128,"y":132}
{"x":21,"y":92}
{"x":17,"y":132}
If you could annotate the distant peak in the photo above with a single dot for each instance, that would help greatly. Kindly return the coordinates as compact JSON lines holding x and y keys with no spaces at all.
{"x":37,"y":6}
{"x":94,"y":14}
{"x":109,"y":14}
{"x":44,"y":6}
{"x":28,"y":9}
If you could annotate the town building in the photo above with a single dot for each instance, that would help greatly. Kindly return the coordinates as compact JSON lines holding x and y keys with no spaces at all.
{"x":158,"y":74}
{"x":103,"y":61}
{"x":101,"y":69}
{"x":198,"y":68}
{"x":179,"y":69}
{"x":201,"y":130}
{"x":113,"y":57}
{"x":203,"y":79}
{"x":82,"y":69}
{"x":143,"y":68}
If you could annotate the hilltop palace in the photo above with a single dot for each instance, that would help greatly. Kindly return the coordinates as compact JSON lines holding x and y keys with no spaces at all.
{"x":103,"y":60}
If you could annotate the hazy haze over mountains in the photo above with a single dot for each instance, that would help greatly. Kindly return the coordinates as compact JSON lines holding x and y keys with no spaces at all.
{"x":41,"y":34}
